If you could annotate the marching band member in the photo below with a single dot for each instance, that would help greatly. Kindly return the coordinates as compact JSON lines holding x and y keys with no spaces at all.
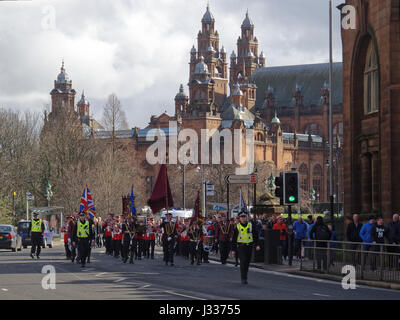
{"x":223,"y":236}
{"x":168,"y":239}
{"x":126,"y":239}
{"x":196,"y":242}
{"x":185,"y":243}
{"x":150,"y":242}
{"x":108,"y":233}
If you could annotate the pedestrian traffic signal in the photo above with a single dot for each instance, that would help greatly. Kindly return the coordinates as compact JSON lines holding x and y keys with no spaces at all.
{"x":291,"y":188}
{"x":279,"y":188}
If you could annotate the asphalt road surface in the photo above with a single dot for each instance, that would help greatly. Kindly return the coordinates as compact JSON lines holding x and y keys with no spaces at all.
{"x":108,"y":278}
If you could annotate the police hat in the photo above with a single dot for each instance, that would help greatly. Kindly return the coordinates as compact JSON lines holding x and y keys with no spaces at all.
{"x":168,"y":214}
{"x":35,"y":214}
{"x":243,"y":214}
{"x":82,"y":214}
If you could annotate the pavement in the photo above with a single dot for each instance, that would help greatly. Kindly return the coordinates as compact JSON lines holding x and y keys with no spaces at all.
{"x":108,"y":278}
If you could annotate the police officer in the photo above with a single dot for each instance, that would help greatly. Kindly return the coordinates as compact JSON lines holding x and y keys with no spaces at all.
{"x":83,"y":234}
{"x":244,"y":237}
{"x":37,"y":229}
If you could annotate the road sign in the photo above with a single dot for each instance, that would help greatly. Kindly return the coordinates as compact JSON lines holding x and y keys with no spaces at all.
{"x":242,"y":179}
{"x":210,"y":189}
{"x":30,"y":196}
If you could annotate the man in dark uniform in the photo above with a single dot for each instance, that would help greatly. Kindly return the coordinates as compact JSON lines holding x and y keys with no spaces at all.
{"x":126,"y":238}
{"x":223,"y":237}
{"x":196,"y":245}
{"x":244,"y":238}
{"x":132,"y":231}
{"x":168,"y":239}
{"x":37,"y":229}
{"x":83,"y":235}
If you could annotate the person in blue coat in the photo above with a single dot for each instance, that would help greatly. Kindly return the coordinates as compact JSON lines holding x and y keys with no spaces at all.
{"x":365,"y":234}
{"x":300,"y":233}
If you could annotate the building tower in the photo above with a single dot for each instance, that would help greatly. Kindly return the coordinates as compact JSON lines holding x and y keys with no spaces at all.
{"x":83,"y":110}
{"x":214,"y":58}
{"x":181,"y":102}
{"x":62,"y":96}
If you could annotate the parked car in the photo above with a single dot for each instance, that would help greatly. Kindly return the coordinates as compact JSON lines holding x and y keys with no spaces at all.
{"x":9,"y":238}
{"x":23,"y":230}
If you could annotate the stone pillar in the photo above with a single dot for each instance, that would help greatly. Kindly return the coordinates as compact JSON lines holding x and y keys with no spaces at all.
{"x":366,"y":185}
{"x":375,"y":181}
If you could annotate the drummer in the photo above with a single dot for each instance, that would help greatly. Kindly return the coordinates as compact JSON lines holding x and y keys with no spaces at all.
{"x":207,"y":240}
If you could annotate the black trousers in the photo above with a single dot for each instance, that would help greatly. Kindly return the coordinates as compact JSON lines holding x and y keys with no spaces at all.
{"x":108,"y":245}
{"x":244,"y":252}
{"x":139,"y":248}
{"x":117,"y":248}
{"x":225,"y":247}
{"x":37,"y":240}
{"x":149,"y":248}
{"x":185,"y":245}
{"x":168,"y":248}
{"x":67,"y":251}
{"x":83,"y":249}
{"x":195,"y":251}
{"x":125,"y":247}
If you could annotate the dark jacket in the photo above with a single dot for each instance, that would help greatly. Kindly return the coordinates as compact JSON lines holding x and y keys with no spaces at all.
{"x":353,"y":232}
{"x":393,"y":232}
{"x":378,"y":233}
{"x":236,"y":234}
{"x":91,"y":233}
{"x":317,"y":231}
{"x":224,"y":232}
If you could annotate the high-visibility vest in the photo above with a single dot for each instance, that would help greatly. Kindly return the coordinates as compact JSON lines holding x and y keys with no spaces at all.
{"x":83,"y":229}
{"x":36,"y":225}
{"x":245,"y":234}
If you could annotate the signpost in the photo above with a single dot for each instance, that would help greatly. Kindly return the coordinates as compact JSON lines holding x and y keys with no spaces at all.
{"x":240,"y":179}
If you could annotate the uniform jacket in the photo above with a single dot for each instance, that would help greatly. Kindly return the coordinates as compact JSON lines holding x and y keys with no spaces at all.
{"x":224,"y":231}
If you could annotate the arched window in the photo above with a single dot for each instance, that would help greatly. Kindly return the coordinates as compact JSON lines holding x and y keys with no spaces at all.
{"x":304,"y":177}
{"x":317,"y":177}
{"x":371,"y":81}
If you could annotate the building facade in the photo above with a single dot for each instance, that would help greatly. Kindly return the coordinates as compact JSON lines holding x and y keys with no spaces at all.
{"x":371,"y":100}
{"x":286,"y":107}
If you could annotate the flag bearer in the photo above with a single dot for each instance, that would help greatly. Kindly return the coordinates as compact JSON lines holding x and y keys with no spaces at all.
{"x":244,"y":237}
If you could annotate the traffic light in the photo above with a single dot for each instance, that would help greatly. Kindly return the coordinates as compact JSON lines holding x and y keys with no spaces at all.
{"x":291,"y":188}
{"x":279,"y":188}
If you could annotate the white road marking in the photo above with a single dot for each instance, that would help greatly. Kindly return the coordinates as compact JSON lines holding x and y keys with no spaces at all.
{"x":120,"y":279}
{"x":4,"y":289}
{"x":320,"y":295}
{"x":100,"y":274}
{"x":184,"y":295}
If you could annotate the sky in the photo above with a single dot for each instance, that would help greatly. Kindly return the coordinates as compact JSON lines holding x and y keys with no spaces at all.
{"x":140,"y":49}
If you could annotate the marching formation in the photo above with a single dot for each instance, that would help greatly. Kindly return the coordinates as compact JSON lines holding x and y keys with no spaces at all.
{"x":135,"y":238}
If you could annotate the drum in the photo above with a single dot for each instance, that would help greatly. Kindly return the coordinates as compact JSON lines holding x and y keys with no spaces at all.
{"x":207,"y":243}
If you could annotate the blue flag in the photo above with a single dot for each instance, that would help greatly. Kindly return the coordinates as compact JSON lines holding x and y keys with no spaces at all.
{"x":132,"y":205}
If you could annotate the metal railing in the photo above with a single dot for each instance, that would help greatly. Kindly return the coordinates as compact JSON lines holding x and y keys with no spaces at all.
{"x":379,"y":262}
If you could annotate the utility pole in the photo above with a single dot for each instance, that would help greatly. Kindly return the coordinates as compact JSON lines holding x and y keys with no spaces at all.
{"x":330,"y":114}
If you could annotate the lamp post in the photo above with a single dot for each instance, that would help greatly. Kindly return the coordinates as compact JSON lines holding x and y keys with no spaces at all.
{"x":330,"y":112}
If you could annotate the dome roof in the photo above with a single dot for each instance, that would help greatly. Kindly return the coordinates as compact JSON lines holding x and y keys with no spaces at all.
{"x":275,"y":120}
{"x":210,"y":49}
{"x":233,"y":54}
{"x":62,"y":76}
{"x":236,"y":90}
{"x":250,"y":54}
{"x":83,"y":99}
{"x":247,"y":21}
{"x":201,"y":67}
{"x":181,"y":93}
{"x":208,"y":16}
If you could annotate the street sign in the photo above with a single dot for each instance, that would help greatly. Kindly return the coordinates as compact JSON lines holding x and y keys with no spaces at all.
{"x":242,"y":179}
{"x":210,"y":189}
{"x":30,"y":196}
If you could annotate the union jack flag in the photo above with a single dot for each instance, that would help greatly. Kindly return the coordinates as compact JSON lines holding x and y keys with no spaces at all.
{"x":87,"y":203}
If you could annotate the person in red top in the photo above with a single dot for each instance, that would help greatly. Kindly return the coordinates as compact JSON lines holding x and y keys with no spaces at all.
{"x":149,"y":242}
{"x":184,"y":242}
{"x":283,"y":230}
{"x":107,"y":225}
{"x":66,"y":244}
{"x":116,"y":237}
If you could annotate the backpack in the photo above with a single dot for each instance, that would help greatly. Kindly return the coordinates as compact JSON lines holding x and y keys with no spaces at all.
{"x":323,"y":233}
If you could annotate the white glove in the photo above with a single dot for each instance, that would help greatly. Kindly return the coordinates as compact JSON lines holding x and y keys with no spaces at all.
{"x":169,"y":238}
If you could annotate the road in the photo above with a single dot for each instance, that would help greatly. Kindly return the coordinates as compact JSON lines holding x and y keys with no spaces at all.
{"x":108,"y":278}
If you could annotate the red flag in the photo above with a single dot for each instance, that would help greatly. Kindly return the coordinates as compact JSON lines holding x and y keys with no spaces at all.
{"x":158,"y":199}
{"x":197,"y":216}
